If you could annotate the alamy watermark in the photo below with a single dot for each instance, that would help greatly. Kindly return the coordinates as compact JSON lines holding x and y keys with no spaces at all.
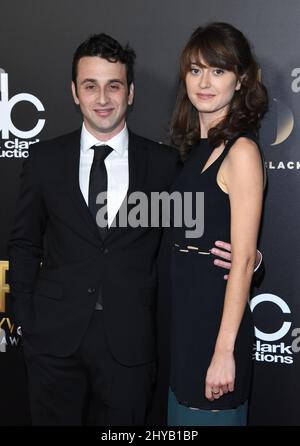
{"x":158,"y":209}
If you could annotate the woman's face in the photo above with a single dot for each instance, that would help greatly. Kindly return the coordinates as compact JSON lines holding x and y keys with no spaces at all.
{"x":210,"y":90}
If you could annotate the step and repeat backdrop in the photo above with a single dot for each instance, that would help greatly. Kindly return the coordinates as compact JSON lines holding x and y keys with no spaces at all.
{"x":37,"y":41}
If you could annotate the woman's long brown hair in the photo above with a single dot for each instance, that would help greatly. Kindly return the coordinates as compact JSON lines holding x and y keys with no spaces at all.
{"x":223,"y":46}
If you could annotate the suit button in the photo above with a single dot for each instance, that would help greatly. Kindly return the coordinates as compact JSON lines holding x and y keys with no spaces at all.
{"x":105,"y":251}
{"x":91,"y":290}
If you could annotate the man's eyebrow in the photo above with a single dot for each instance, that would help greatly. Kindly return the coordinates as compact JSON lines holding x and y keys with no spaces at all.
{"x":110,"y":81}
{"x":88,"y":80}
{"x":119,"y":81}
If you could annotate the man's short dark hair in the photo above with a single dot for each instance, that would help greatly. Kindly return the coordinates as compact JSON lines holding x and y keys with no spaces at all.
{"x":104,"y":46}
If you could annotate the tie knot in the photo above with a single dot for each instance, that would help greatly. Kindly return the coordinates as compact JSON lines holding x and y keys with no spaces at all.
{"x":101,"y":152}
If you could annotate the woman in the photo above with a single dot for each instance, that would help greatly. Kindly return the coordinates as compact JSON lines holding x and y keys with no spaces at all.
{"x":219,"y":108}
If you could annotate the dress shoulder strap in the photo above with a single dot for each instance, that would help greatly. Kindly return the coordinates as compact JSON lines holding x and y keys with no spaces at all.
{"x":230,"y":143}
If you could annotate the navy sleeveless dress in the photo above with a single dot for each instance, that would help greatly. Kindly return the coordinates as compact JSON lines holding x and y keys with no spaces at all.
{"x":198,"y":291}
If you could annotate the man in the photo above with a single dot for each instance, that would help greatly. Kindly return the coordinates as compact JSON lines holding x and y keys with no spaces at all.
{"x":84,"y":295}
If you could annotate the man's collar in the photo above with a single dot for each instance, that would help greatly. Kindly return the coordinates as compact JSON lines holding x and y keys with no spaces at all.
{"x":118,"y":142}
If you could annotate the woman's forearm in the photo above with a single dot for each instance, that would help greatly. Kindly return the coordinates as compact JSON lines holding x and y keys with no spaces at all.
{"x":236,"y":297}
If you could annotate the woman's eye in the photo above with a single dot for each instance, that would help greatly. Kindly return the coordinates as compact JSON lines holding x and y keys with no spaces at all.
{"x":219,"y":71}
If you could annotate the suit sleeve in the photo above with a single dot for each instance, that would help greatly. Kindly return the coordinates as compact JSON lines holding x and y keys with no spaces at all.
{"x":25,"y":245}
{"x":177,"y":166}
{"x":158,"y":411}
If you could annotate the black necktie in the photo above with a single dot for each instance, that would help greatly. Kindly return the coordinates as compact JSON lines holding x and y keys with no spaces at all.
{"x":98,"y":182}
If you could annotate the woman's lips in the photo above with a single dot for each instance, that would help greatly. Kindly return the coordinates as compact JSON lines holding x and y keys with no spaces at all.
{"x":205,"y":97}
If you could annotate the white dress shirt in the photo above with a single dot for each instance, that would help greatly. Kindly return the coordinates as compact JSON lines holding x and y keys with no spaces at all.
{"x":116,"y":164}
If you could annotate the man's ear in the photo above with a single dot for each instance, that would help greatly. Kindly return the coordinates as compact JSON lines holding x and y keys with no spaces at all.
{"x":74,"y":93}
{"x":131,"y":94}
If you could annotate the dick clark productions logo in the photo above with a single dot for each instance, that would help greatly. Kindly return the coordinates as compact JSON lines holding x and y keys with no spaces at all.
{"x":16,"y":148}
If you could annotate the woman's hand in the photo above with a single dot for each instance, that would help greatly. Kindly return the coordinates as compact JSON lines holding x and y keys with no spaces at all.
{"x":220,"y":375}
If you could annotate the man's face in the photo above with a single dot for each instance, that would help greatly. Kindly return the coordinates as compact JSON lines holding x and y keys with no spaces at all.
{"x":103,"y":96}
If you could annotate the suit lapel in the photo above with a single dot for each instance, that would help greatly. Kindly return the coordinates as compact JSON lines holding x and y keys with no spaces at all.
{"x":137,"y":159}
{"x":72,"y":160}
{"x":137,"y":163}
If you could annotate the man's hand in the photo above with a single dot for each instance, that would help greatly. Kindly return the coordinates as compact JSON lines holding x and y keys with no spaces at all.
{"x":223,"y":250}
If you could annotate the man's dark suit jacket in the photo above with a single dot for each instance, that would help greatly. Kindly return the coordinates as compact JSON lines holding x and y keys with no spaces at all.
{"x":58,"y":260}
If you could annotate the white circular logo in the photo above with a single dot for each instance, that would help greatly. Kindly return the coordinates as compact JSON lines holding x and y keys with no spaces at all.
{"x":284,"y":308}
{"x":6,"y":106}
